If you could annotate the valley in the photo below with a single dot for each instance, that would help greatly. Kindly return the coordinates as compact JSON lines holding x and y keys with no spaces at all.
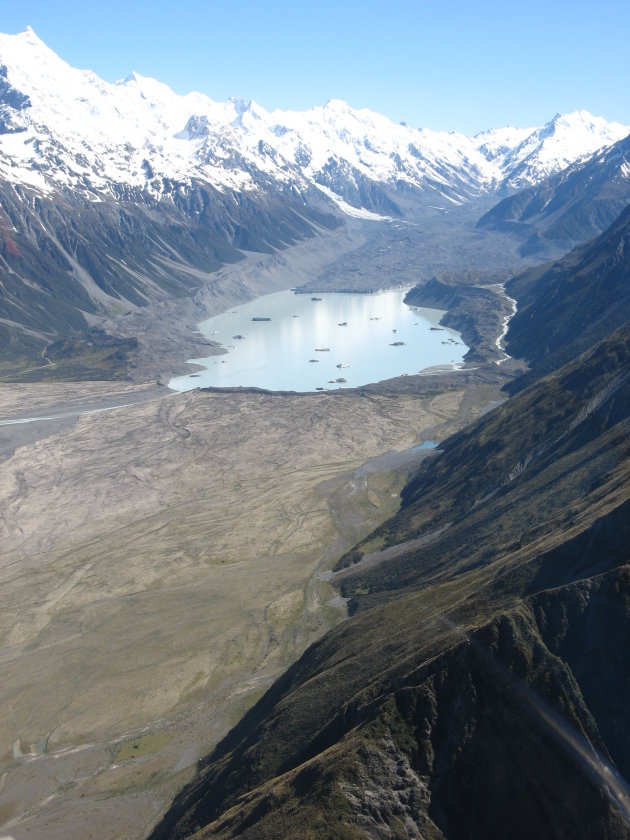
{"x":163,"y":562}
{"x":165,"y":557}
{"x":171,"y":556}
{"x":236,"y":612}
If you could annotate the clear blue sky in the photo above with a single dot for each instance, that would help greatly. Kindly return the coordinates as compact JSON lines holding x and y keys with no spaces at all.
{"x":442,"y":64}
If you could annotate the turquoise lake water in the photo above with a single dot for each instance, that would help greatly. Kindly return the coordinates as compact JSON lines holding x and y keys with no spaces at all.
{"x":309,"y":344}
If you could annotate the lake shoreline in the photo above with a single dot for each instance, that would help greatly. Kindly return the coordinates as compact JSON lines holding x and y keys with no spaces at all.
{"x":287,"y":342}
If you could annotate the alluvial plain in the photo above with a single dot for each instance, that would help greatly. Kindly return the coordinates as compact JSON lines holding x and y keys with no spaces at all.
{"x":163,"y":562}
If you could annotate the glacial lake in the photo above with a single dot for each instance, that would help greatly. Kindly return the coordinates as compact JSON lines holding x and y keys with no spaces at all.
{"x":310,"y":342}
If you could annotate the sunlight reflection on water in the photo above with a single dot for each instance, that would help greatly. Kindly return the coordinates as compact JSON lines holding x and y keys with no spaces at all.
{"x":311,"y":342}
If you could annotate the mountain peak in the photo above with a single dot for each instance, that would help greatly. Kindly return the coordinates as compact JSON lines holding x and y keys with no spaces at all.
{"x":23,"y":45}
{"x":31,"y":63}
{"x":583,"y":120}
{"x":337,"y":105}
{"x":31,"y":37}
{"x":562,"y":141}
{"x":353,"y":152}
{"x":149,"y":88}
{"x":249,"y":114}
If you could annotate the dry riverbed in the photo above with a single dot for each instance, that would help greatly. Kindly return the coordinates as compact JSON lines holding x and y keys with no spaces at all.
{"x":161,"y":563}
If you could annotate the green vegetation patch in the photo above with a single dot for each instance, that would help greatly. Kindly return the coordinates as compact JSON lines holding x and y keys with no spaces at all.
{"x":99,"y":357}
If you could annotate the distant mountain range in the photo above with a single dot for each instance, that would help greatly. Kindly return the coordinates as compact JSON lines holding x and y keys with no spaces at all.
{"x":67,"y":128}
{"x":481,"y":686}
{"x":570,"y":206}
{"x":115,"y":196}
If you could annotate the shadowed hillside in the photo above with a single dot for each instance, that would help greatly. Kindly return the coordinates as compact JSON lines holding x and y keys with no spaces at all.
{"x":481,"y":688}
{"x":565,"y":307}
{"x":70,"y":259}
{"x":570,"y":206}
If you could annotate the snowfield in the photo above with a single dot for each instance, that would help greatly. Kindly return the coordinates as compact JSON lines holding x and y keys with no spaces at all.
{"x":64,"y":127}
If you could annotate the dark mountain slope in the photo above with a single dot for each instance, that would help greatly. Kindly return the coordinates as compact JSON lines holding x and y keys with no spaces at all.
{"x":569,"y":207}
{"x":529,"y":460}
{"x":481,"y":689}
{"x":565,"y":307}
{"x":472,"y":743}
{"x":67,"y":255}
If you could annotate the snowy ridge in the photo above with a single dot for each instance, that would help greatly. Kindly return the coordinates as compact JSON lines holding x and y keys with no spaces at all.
{"x":566,"y":139}
{"x":63,"y":127}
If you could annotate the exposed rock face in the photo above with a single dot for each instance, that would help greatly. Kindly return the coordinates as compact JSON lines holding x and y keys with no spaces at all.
{"x":11,"y":101}
{"x":504,"y":734}
{"x":509,"y":733}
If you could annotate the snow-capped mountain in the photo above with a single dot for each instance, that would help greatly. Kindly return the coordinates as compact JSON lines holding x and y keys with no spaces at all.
{"x":570,"y":206}
{"x":67,"y":127}
{"x":113,"y":196}
{"x":561,"y":142}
